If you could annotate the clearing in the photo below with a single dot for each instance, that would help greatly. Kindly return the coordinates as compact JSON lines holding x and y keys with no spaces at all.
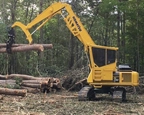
{"x":66,"y":103}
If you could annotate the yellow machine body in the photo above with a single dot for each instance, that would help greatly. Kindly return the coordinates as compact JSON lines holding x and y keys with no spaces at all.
{"x":102,"y":59}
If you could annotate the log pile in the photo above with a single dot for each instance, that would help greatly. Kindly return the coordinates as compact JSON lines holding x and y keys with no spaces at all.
{"x":27,"y":83}
{"x":21,"y":84}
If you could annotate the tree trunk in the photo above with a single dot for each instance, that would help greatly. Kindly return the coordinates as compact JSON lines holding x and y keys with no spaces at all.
{"x":40,"y":40}
{"x":72,"y":42}
{"x":138,"y":40}
{"x":118,"y":36}
{"x":123,"y":22}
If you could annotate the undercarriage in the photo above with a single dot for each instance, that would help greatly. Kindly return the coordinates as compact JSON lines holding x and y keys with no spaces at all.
{"x":88,"y":93}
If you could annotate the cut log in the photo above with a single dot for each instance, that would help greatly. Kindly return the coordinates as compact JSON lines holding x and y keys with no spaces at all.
{"x":31,"y":90}
{"x":3,"y":77}
{"x":17,"y":92}
{"x":57,"y":85}
{"x":45,"y":82}
{"x":24,"y":77}
{"x":28,"y":77}
{"x":46,"y":46}
{"x":28,"y":83}
{"x":24,"y":48}
{"x":21,"y":76}
{"x":11,"y":81}
{"x":31,"y":85}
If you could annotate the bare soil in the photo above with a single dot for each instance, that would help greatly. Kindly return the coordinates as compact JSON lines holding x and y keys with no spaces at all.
{"x":66,"y":103}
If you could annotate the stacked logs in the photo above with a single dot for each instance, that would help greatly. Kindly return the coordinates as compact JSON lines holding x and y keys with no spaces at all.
{"x":21,"y":84}
{"x":27,"y":83}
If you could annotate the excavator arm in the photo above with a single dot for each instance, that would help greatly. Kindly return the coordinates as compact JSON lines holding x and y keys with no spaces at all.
{"x":72,"y":21}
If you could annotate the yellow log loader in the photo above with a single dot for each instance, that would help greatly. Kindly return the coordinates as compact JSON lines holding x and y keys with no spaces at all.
{"x":105,"y":76}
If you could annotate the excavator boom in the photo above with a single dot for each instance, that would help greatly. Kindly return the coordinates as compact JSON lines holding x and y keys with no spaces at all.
{"x":72,"y":21}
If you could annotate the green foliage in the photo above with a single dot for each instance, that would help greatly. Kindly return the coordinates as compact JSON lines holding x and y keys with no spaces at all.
{"x":18,"y":83}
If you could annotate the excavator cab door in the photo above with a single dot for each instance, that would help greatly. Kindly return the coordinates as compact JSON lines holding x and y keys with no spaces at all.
{"x":103,"y":56}
{"x":103,"y":62}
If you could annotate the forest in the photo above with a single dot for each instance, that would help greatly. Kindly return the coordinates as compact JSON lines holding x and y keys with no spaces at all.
{"x":117,"y":23}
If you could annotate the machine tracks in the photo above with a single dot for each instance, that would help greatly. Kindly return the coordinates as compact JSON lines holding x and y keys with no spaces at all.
{"x":86,"y":94}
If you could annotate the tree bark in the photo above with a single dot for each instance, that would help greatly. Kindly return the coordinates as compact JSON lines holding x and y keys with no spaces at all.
{"x":21,"y":76}
{"x":36,"y":81}
{"x":24,"y":48}
{"x":31,"y":85}
{"x":17,"y":92}
{"x":118,"y":36}
{"x":72,"y":45}
{"x":11,"y":81}
{"x":47,"y":46}
{"x":31,"y":90}
{"x":28,"y":78}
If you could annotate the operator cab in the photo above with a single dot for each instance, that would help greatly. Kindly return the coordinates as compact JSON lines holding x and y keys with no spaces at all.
{"x":103,"y":56}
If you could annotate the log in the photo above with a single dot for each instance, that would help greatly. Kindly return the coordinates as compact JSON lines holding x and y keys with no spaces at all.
{"x":31,"y":90}
{"x":28,"y":77}
{"x":21,"y":76}
{"x":57,"y":85}
{"x":45,"y":82}
{"x":31,"y":85}
{"x":17,"y":92}
{"x":24,"y":48}
{"x":28,"y":83}
{"x":3,"y":77}
{"x":46,"y":46}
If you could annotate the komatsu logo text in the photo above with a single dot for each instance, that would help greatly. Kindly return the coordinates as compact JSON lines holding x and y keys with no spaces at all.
{"x":79,"y":28}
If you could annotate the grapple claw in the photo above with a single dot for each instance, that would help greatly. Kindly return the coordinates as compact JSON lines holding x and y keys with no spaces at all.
{"x":11,"y":40}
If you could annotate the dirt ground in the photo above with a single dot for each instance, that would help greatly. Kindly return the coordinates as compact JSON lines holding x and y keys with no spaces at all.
{"x":66,"y":103}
